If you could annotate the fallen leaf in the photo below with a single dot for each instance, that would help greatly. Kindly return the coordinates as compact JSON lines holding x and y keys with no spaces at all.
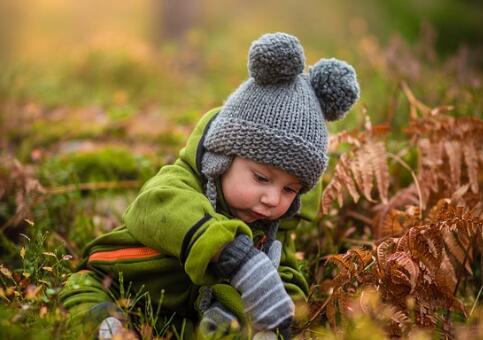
{"x":43,"y":311}
{"x":5,"y":271}
{"x":49,"y":253}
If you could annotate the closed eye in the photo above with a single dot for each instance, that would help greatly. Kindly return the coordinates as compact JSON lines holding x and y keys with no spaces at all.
{"x":260,"y":178}
{"x":290,"y":190}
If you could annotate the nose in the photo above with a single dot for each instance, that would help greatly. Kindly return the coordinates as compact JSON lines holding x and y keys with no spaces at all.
{"x":270,"y":197}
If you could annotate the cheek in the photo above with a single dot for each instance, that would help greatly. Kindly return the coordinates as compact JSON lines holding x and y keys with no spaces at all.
{"x":284,"y":205}
{"x":238,"y":193}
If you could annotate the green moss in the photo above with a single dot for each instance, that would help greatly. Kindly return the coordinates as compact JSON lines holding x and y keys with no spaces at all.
{"x":104,"y":164}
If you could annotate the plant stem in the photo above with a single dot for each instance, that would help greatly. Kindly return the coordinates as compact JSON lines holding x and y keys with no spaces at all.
{"x":476,"y":301}
{"x":416,"y":182}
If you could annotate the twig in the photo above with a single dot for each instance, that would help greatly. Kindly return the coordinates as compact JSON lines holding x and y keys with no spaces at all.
{"x":92,"y":186}
{"x":416,"y":182}
{"x":414,"y":103}
{"x":316,"y":314}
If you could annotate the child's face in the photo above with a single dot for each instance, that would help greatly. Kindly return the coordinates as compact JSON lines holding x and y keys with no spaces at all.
{"x":255,"y":191}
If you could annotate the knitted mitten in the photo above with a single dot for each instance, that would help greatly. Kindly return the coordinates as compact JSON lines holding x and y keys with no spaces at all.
{"x":109,"y":327}
{"x":252,"y":273}
{"x":274,"y":252}
{"x":218,"y":321}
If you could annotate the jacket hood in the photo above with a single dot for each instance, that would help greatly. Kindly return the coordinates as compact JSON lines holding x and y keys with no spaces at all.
{"x":194,"y":149}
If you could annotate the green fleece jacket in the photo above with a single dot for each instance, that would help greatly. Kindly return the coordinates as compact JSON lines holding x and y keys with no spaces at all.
{"x":171,"y":232}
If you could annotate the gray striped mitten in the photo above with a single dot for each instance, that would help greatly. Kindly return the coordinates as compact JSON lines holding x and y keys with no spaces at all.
{"x":218,"y":321}
{"x":252,"y":273}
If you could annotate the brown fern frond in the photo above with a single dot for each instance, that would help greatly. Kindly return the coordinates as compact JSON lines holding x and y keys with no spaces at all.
{"x":453,"y":149}
{"x":399,"y":324}
{"x":460,"y":230}
{"x":404,"y":197}
{"x":430,"y":157}
{"x":471,"y":160}
{"x":445,"y":277}
{"x":343,"y":171}
{"x":363,"y":171}
{"x":379,"y":165}
{"x":461,"y":139}
{"x":363,"y":256}
{"x":341,"y":261}
{"x":392,"y":225}
{"x":383,"y":251}
{"x":357,"y":169}
{"x":340,"y":138}
{"x":426,"y":245}
{"x":332,"y":192}
{"x":401,"y":270}
{"x":457,"y":250}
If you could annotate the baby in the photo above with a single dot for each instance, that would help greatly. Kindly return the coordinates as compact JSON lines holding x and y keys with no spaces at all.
{"x":204,"y":238}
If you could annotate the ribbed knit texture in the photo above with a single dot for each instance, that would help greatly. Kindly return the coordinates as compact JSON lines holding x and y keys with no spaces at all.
{"x":217,"y":320}
{"x":109,"y":328}
{"x":213,"y":165}
{"x":280,"y":125}
{"x":263,"y":294}
{"x":277,"y":116}
{"x":234,"y":255}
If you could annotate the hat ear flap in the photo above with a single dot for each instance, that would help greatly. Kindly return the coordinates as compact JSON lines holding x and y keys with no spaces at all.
{"x":335,"y":85}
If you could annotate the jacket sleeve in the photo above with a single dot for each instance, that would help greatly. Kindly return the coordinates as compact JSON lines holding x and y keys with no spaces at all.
{"x":293,"y":279}
{"x":172,"y":215}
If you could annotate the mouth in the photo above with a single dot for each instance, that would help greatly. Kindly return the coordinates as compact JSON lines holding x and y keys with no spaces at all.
{"x":258,"y":216}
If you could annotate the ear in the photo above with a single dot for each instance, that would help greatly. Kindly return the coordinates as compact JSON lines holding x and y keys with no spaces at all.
{"x":335,"y":85}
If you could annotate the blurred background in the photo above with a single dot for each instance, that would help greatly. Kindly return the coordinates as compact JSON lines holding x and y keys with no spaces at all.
{"x":189,"y":55}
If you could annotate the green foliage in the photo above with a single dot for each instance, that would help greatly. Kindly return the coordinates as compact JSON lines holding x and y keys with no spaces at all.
{"x":103,"y":164}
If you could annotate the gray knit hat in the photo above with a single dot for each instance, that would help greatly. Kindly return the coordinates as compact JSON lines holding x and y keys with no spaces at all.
{"x":278,"y":115}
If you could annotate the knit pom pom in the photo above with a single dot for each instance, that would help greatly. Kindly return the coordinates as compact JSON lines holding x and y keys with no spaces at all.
{"x":335,"y":84}
{"x":275,"y":58}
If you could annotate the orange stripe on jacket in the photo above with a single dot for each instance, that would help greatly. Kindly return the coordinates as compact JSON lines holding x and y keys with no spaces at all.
{"x":124,"y":254}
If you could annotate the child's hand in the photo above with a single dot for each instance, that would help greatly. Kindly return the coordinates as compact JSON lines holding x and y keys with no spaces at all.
{"x":253,"y":274}
{"x":218,"y":321}
{"x":274,"y":253}
{"x":263,"y":294}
